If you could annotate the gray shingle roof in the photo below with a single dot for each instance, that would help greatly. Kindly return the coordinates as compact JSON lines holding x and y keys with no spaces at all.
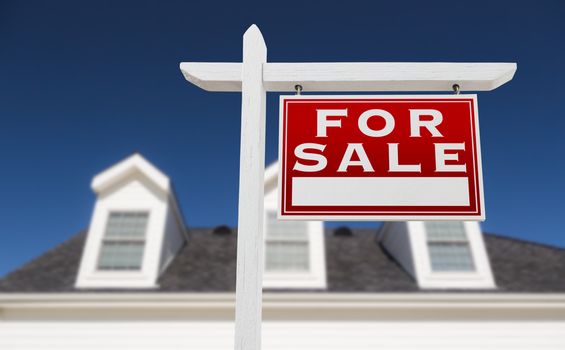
{"x":355,"y":263}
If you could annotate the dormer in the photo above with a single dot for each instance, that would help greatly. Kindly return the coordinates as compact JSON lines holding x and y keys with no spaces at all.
{"x":294,"y":250}
{"x":440,"y":254}
{"x":136,"y":227}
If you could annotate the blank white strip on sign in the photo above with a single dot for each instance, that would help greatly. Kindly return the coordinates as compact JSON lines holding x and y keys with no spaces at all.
{"x":389,"y":191}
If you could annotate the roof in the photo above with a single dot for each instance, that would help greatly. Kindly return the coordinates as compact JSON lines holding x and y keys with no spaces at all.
{"x":356,"y":262}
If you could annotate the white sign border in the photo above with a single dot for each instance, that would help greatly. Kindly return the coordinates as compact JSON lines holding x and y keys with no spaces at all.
{"x":337,"y":217}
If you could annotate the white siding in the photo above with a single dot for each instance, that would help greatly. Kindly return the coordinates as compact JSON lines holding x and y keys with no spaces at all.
{"x":396,"y":239}
{"x":326,"y":335}
{"x":173,"y":238}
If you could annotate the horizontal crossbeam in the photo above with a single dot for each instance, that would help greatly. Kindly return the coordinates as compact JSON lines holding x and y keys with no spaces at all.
{"x":355,"y":76}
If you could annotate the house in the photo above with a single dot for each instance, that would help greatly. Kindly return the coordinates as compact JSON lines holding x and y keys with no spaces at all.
{"x":138,"y":278}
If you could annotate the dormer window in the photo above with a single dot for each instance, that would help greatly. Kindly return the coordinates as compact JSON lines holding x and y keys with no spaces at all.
{"x":440,"y":254}
{"x":136,"y":228}
{"x":448,"y":246}
{"x":286,"y":245}
{"x":295,"y":256}
{"x":124,"y":241}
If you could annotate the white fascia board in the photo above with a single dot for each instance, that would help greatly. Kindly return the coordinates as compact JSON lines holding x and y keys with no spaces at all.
{"x":294,"y":306}
{"x":132,"y":164}
{"x":306,"y":300}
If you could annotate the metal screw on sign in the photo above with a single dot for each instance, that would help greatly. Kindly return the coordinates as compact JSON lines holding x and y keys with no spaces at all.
{"x":298,"y":89}
{"x":456,"y":89}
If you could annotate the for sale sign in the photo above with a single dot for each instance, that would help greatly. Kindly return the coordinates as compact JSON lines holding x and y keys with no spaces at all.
{"x":380,"y":158}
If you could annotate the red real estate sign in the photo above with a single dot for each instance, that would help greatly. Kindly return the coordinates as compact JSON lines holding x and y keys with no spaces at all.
{"x":380,"y":158}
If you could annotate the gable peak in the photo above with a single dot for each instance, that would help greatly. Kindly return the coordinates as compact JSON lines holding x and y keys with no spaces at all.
{"x":135,"y":164}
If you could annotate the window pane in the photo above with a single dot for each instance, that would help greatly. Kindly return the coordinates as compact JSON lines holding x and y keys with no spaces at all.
{"x":445,"y":231}
{"x":450,"y":256}
{"x":287,"y":256}
{"x":126,"y":225}
{"x":448,"y":246}
{"x":286,"y":248}
{"x":124,"y":241}
{"x":116,"y":255}
{"x":286,"y":230}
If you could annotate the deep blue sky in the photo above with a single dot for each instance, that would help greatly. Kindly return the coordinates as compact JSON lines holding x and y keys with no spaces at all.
{"x":85,"y":83}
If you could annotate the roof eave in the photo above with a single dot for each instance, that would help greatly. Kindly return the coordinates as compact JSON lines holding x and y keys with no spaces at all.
{"x":441,"y":298}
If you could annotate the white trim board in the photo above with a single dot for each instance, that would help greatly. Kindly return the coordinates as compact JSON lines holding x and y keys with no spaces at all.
{"x":500,"y":298}
{"x":456,"y":306}
{"x":355,"y":76}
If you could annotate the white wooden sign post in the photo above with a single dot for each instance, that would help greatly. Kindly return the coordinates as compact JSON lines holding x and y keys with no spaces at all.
{"x":253,"y":77}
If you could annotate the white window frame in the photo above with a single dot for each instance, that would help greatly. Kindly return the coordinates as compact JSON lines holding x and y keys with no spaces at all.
{"x":480,"y":278}
{"x":271,"y":241}
{"x":92,"y":277}
{"x":315,"y":277}
{"x":106,"y":239}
